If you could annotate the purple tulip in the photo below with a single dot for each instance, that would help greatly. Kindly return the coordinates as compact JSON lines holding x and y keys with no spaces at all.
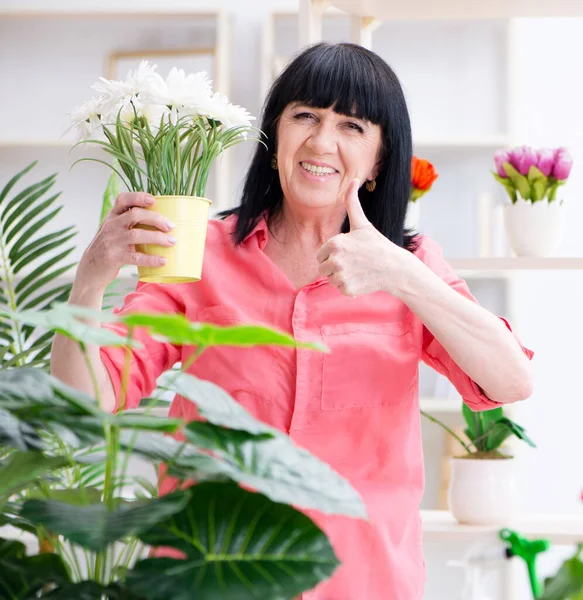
{"x":500,"y":157}
{"x":546,"y":161}
{"x":563,"y":164}
{"x":525,"y":159}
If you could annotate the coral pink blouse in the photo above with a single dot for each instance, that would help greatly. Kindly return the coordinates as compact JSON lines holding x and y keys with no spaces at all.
{"x":356,"y":408}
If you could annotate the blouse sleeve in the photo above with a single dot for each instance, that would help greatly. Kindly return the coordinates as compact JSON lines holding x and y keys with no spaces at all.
{"x":433,"y":353}
{"x":154,"y":357}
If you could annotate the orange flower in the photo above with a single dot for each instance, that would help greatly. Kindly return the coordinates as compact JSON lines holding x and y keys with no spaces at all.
{"x":422,"y":177}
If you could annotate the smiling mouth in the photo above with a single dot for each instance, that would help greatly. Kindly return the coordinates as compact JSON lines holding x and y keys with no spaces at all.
{"x":314,"y":170}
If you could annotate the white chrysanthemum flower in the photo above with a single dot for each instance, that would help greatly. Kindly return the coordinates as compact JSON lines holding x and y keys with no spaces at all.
{"x":180,"y":91}
{"x":230,"y":115}
{"x":86,"y":119}
{"x":114,"y":93}
{"x":141,"y":78}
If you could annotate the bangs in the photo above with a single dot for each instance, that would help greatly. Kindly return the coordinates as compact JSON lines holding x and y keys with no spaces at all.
{"x":337,"y":77}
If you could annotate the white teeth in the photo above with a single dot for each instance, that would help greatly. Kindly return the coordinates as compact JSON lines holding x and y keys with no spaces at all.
{"x":317,"y":170}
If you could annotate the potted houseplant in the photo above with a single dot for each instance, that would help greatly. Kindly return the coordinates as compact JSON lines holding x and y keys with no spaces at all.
{"x":483,"y":487}
{"x":162,"y":136}
{"x":235,"y":529}
{"x":422,"y":177}
{"x":534,"y":217}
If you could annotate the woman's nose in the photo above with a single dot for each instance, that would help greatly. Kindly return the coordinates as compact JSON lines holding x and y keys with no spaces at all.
{"x":322,"y":140}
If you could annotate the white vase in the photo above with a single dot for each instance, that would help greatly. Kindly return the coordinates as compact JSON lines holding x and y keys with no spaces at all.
{"x":413,"y":214}
{"x":534,"y":229}
{"x":483,"y":492}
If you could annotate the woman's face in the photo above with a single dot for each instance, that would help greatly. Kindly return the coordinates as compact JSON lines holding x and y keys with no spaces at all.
{"x":319,"y":152}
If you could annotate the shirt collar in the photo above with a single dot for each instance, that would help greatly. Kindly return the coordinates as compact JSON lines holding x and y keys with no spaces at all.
{"x":259,"y":232}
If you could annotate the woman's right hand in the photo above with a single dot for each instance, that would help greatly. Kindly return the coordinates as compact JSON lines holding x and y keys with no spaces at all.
{"x":115,"y":243}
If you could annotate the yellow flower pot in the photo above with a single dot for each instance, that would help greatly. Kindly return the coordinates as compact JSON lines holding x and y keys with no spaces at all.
{"x":190,"y":217}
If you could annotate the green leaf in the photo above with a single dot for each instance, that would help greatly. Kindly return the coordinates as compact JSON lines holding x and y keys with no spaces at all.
{"x":83,"y":496}
{"x":275,"y":467}
{"x":214,"y":403}
{"x":109,"y":195}
{"x":539,"y":188}
{"x":519,"y":181}
{"x":94,"y":527}
{"x":22,"y":468}
{"x":22,"y":245}
{"x":65,"y":319}
{"x":507,"y":186}
{"x":567,"y":583}
{"x":15,"y":179}
{"x":238,"y":546}
{"x":478,"y":423}
{"x":26,"y":216}
{"x":271,"y":463}
{"x":513,"y":429}
{"x":32,"y":401}
{"x":144,"y":422}
{"x":18,"y":434}
{"x":21,"y":576}
{"x":91,"y":590}
{"x":177,"y":329}
{"x":535,"y":174}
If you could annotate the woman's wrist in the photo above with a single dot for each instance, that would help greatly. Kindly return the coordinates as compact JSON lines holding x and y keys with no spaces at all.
{"x":85,"y":294}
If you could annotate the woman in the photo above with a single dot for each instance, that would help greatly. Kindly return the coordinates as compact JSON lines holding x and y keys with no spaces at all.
{"x":317,"y":248}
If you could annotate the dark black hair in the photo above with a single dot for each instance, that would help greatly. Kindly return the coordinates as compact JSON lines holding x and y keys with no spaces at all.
{"x":345,"y":77}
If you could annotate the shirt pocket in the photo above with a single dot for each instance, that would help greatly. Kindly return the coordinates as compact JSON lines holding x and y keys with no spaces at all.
{"x":368,"y":365}
{"x":244,"y":372}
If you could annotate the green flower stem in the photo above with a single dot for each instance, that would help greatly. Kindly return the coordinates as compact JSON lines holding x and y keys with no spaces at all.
{"x":93,"y":376}
{"x":450,"y":431}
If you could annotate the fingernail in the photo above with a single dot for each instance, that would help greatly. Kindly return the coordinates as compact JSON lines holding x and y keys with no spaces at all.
{"x":169,"y":224}
{"x":162,"y":260}
{"x":150,"y":200}
{"x":171,"y":239}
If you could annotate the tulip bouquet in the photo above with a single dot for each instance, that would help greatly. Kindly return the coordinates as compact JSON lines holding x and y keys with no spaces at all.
{"x":532,"y":175}
{"x":162,"y":134}
{"x":422,"y":177}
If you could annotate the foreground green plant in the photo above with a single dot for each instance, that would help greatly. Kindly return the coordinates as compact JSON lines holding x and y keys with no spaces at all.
{"x":33,"y":259}
{"x":235,"y":543}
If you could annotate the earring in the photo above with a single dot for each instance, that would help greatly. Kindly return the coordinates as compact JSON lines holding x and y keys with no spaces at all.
{"x":371,"y":185}
{"x":274,"y":162}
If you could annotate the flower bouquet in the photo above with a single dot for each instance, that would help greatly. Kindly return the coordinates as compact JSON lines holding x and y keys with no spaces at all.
{"x":422,"y":177}
{"x":162,"y":137}
{"x":532,"y":175}
{"x":531,"y":178}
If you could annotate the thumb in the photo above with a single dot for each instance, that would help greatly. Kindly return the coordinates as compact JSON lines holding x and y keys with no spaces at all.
{"x":356,"y":215}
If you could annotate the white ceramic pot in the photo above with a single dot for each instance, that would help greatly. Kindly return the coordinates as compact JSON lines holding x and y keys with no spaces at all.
{"x":413,"y":214}
{"x":483,"y":492}
{"x":534,"y":229}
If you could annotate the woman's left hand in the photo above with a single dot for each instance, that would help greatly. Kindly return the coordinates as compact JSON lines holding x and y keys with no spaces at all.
{"x":362,"y":261}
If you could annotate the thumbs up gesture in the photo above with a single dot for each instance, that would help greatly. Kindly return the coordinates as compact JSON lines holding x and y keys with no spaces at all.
{"x":362,"y":261}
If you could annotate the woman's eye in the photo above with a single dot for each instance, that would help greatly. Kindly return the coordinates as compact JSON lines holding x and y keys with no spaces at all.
{"x":355,"y":127}
{"x":304,"y":116}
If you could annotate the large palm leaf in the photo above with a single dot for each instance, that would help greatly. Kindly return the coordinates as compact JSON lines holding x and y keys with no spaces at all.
{"x":33,"y":259}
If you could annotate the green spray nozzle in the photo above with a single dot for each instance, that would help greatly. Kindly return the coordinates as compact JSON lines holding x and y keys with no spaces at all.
{"x":528,"y":551}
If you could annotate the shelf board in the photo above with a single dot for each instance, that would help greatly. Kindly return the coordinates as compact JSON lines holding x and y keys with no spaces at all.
{"x":440,"y":406}
{"x":38,"y":143}
{"x":439,"y":526}
{"x":514,"y":263}
{"x":486,"y":142}
{"x":122,"y":10}
{"x":459,"y":9}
